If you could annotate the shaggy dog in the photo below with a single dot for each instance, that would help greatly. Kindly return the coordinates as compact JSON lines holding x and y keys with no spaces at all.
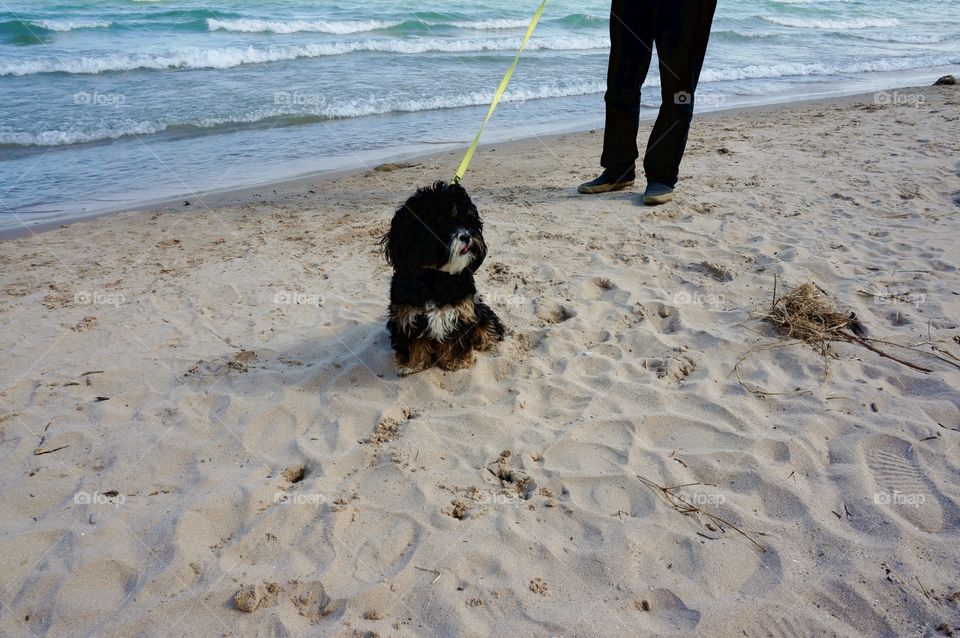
{"x":435,"y":244}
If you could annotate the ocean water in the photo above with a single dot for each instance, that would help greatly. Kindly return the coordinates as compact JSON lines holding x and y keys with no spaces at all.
{"x":114,"y":103}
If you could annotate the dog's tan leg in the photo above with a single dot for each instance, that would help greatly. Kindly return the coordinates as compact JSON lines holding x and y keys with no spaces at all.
{"x":487,"y":330}
{"x":419,"y":359}
{"x":485,"y":336}
{"x":452,"y":356}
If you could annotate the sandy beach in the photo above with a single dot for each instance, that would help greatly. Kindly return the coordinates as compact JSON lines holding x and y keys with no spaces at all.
{"x":199,"y":401}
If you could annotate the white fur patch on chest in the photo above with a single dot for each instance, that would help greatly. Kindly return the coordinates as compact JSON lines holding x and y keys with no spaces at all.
{"x":457,"y":263}
{"x":441,"y":321}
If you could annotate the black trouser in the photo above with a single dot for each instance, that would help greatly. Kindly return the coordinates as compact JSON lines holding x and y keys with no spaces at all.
{"x":680,"y":29}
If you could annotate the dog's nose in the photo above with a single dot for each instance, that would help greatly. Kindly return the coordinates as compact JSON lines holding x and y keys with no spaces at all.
{"x":465,"y":237}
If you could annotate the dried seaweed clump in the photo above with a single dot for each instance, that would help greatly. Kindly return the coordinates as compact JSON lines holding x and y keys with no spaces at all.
{"x":805,"y":313}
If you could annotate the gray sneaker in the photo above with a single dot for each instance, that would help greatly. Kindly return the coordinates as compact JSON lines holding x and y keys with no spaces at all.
{"x":657,"y":193}
{"x":606,"y":183}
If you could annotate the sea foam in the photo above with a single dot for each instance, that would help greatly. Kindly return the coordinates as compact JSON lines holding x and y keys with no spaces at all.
{"x":227,"y":57}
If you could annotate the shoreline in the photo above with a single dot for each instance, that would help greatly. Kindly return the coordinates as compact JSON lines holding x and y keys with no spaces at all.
{"x":238,"y":196}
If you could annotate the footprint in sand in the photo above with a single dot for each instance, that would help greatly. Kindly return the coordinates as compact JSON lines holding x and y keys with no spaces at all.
{"x":664,"y":319}
{"x":204,"y":375}
{"x":667,"y":432}
{"x":666,"y":613}
{"x":604,"y":284}
{"x":603,"y":289}
{"x":772,"y":450}
{"x":552,"y":312}
{"x":217,"y":405}
{"x":676,"y":368}
{"x":516,"y":480}
{"x":902,"y":487}
{"x":847,"y":607}
{"x":776,"y":622}
{"x":391,"y":542}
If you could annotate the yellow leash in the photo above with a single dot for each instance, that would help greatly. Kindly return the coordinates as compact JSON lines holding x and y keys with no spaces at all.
{"x":499,"y":94}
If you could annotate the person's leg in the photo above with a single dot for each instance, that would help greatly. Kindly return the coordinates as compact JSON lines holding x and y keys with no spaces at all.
{"x":631,"y":48}
{"x":682,"y":32}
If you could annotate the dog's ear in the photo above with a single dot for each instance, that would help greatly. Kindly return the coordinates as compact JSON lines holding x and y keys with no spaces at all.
{"x":398,"y":243}
{"x":463,"y":202}
{"x":481,"y":252}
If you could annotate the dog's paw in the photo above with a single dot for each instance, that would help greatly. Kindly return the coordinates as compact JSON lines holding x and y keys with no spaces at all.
{"x":405,"y":366}
{"x":460,"y":363}
{"x":488,"y":334}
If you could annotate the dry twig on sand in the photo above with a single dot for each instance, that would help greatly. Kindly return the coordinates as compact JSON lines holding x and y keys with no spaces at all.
{"x":682,"y":505}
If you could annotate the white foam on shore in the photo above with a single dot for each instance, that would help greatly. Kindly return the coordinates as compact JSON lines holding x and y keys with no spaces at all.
{"x":766,"y":71}
{"x":80,"y":136}
{"x":341,"y":110}
{"x":481,"y":25}
{"x":335,"y":27}
{"x":818,"y":23}
{"x":292,"y":106}
{"x":905,"y":39}
{"x":227,"y":57}
{"x":346,"y":27}
{"x":70,"y":25}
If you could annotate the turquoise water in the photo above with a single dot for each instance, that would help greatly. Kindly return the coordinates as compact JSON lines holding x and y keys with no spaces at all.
{"x":113,"y":103}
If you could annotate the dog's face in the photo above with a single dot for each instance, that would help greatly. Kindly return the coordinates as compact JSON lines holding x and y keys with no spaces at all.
{"x":439,"y":228}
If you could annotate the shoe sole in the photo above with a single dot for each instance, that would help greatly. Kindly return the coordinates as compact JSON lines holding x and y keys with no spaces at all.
{"x":593,"y":190}
{"x":656,"y":200}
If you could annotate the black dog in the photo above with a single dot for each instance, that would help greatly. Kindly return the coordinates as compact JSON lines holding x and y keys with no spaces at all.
{"x":435,"y":244}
